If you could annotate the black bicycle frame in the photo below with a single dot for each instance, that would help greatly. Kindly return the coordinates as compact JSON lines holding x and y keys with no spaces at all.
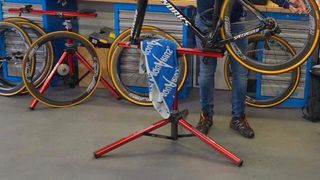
{"x":142,"y":6}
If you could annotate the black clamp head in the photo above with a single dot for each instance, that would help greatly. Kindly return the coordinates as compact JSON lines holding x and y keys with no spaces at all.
{"x":26,"y":9}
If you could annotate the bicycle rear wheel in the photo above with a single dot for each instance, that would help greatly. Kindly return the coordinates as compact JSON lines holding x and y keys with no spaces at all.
{"x":272,"y":89}
{"x":126,"y":73}
{"x":300,"y":30}
{"x":15,"y":43}
{"x":75,"y":74}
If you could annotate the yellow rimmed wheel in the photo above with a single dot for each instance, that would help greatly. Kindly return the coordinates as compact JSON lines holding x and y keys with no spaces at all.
{"x":74,"y":75}
{"x":45,"y":58}
{"x":15,"y":43}
{"x":274,"y":89}
{"x":126,"y":72}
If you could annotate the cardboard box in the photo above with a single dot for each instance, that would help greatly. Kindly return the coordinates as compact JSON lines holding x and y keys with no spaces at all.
{"x":102,"y":52}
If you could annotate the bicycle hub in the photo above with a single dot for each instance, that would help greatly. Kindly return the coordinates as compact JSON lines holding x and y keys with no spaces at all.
{"x":63,"y":69}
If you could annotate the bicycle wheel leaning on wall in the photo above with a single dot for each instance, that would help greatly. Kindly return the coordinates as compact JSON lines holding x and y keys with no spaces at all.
{"x":274,"y":89}
{"x":126,"y":72}
{"x":15,"y":43}
{"x":74,"y":75}
{"x":45,"y":56}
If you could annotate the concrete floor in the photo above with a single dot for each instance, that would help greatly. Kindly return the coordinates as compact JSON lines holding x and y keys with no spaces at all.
{"x":58,"y":144}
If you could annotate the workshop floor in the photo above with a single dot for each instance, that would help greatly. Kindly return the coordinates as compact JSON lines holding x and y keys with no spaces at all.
{"x":58,"y":144}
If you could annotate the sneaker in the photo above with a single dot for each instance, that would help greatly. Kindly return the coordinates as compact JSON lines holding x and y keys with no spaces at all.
{"x":242,"y":126}
{"x":204,"y":123}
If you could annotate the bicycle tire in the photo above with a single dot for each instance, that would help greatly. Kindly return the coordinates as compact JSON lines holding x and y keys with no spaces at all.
{"x":114,"y":44}
{"x":19,"y":19}
{"x":55,"y":100}
{"x":283,"y":95}
{"x":136,"y":96}
{"x":34,"y":32}
{"x":303,"y":53}
{"x":8,"y":87}
{"x":123,"y":35}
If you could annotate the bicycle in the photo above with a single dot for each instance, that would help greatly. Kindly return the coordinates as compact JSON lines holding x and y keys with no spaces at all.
{"x":221,"y":37}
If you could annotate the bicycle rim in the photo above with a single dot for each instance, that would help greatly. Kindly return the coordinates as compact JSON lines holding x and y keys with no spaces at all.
{"x":272,"y":89}
{"x":300,"y":30}
{"x":44,"y":57}
{"x":19,"y":19}
{"x":15,"y":44}
{"x":128,"y":79}
{"x":69,"y":82}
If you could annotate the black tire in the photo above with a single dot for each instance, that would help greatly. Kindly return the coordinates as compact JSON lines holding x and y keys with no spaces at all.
{"x":120,"y":58}
{"x":305,"y":25}
{"x":278,"y":96}
{"x":16,"y":43}
{"x":68,"y":87}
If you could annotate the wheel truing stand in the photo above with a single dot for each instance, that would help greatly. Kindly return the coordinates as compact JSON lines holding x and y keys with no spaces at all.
{"x":177,"y":118}
{"x":68,"y":53}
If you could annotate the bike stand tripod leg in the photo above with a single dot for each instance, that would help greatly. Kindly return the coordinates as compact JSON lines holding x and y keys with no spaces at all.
{"x":34,"y":102}
{"x":211,"y":142}
{"x":129,"y":138}
{"x":174,"y":120}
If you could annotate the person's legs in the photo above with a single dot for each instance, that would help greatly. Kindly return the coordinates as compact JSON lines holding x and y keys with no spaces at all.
{"x":206,"y":83}
{"x":239,"y":90}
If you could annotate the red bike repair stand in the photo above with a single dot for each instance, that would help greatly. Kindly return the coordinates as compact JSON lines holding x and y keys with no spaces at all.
{"x":177,"y":118}
{"x":68,"y":16}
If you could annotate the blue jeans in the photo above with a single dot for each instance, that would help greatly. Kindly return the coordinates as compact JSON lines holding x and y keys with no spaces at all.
{"x":206,"y":78}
